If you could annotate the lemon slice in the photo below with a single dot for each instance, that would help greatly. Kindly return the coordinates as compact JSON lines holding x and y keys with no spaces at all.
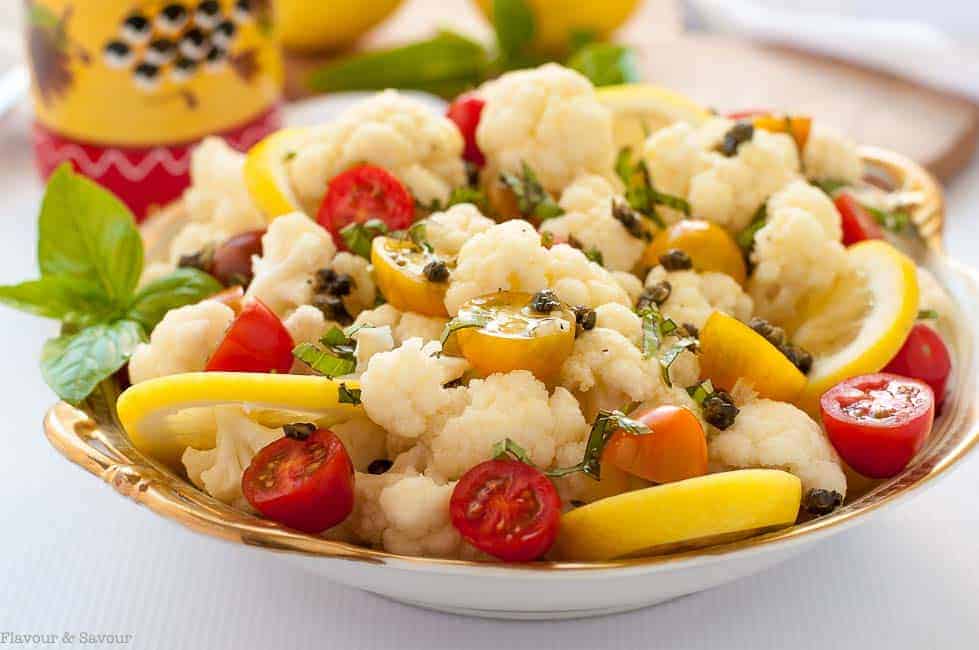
{"x":266,"y":176}
{"x":860,"y":324}
{"x":164,"y":416}
{"x":697,"y":512}
{"x":641,"y":109}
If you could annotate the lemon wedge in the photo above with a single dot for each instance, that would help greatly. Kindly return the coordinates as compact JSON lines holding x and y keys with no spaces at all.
{"x":641,"y":109}
{"x":164,"y":416}
{"x":688,"y":514}
{"x":266,"y":176}
{"x":860,"y":324}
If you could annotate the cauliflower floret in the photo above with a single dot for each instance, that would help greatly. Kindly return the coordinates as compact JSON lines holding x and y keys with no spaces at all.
{"x":293,"y":249}
{"x":218,"y":193}
{"x":507,"y":256}
{"x":830,"y":156}
{"x":695,"y":296}
{"x":593,"y":225}
{"x":620,"y":318}
{"x":797,"y":252}
{"x":630,"y":284}
{"x":218,"y":471}
{"x":363,"y":440}
{"x":404,"y":325}
{"x":780,"y":436}
{"x":181,"y":342}
{"x":548,"y":118}
{"x":447,"y":231}
{"x":417,"y":511}
{"x":422,"y":148}
{"x":609,"y":371}
{"x":363,"y":292}
{"x":402,"y":390}
{"x":371,"y":341}
{"x":725,"y":190}
{"x":514,"y":405}
{"x":577,"y":281}
{"x":307,"y":324}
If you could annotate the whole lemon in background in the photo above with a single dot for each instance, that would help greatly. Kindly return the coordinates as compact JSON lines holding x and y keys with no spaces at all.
{"x":558,"y":19}
{"x":327,"y":25}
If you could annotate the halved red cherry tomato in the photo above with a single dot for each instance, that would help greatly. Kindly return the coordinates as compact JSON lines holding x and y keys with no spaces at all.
{"x":465,"y":111}
{"x":362,"y":193}
{"x":924,"y":356}
{"x":305,"y":484}
{"x":878,"y":422}
{"x":508,"y":509}
{"x":232,"y":263}
{"x":857,"y":223}
{"x":257,"y":341}
{"x":747,"y":113}
{"x":675,"y":450}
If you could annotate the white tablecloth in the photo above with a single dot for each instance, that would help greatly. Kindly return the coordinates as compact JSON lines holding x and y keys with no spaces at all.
{"x":76,"y":558}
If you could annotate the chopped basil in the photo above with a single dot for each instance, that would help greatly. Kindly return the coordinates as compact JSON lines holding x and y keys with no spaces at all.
{"x":418,"y":234}
{"x":746,"y":238}
{"x":640,"y":193}
{"x":896,"y":221}
{"x":547,"y":239}
{"x":701,"y":391}
{"x":456,"y":324}
{"x":532,"y":200}
{"x":607,"y":423}
{"x":928,"y":314}
{"x":324,"y":362}
{"x":348,"y":395}
{"x":830,"y":185}
{"x":358,"y":236}
{"x":594,"y":255}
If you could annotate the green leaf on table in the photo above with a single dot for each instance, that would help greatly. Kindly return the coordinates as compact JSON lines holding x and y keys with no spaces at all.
{"x":74,"y":302}
{"x":85,"y":232}
{"x":73,"y":365}
{"x":445,"y":65}
{"x":606,"y":64}
{"x":515,"y":26}
{"x":185,"y":286}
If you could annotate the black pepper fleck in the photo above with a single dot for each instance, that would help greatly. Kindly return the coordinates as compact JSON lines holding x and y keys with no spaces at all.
{"x":676,"y":260}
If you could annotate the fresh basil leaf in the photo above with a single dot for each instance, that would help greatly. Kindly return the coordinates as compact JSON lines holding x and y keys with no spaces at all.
{"x":348,"y":395}
{"x":358,"y":236}
{"x":73,"y":365}
{"x":184,"y":286}
{"x":515,"y":26}
{"x":606,"y":64}
{"x":606,"y":424}
{"x":445,"y":65}
{"x":85,"y":232}
{"x":71,"y":301}
{"x":746,"y":238}
{"x":336,"y":337}
{"x":323,"y":362}
{"x":532,"y":199}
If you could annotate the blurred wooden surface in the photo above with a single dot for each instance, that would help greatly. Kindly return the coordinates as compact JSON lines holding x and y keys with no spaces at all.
{"x":937,"y":128}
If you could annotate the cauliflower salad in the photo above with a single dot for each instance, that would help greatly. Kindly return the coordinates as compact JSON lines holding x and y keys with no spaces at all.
{"x":497,"y":335}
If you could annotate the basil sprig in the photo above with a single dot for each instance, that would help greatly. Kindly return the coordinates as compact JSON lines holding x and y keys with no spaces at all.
{"x":450,"y":63}
{"x":90,"y":258}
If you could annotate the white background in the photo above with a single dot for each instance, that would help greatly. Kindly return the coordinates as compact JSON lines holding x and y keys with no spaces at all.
{"x":75,"y":557}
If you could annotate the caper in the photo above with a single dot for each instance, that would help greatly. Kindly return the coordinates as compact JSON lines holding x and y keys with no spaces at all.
{"x":630,"y":219}
{"x":544,"y":301}
{"x":585,"y":317}
{"x":676,"y":260}
{"x":719,"y":409}
{"x":299,"y":430}
{"x":822,"y":502}
{"x":799,"y":357}
{"x":772,"y":333}
{"x":333,"y":308}
{"x":436,"y":271}
{"x":736,"y":136}
{"x":332,"y":283}
{"x":379,"y":466}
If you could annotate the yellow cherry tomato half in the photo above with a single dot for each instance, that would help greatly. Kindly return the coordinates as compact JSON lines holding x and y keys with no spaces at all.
{"x":795,"y":125}
{"x":730,"y":350}
{"x":399,"y":270}
{"x":513,"y":336}
{"x":709,"y":246}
